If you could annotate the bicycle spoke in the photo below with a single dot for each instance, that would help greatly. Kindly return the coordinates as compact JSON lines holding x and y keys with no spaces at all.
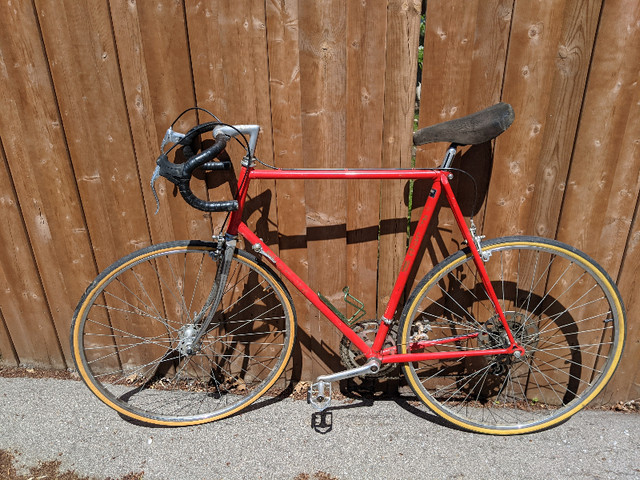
{"x":152,"y":366}
{"x":557,"y":308}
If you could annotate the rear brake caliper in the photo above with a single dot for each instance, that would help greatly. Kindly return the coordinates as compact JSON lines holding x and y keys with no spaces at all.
{"x":476,"y":241}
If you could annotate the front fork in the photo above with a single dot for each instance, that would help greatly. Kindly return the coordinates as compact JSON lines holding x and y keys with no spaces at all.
{"x":193,"y":333}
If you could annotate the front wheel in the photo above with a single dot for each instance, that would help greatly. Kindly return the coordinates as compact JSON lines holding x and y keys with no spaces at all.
{"x":135,"y":338}
{"x":559,"y":305}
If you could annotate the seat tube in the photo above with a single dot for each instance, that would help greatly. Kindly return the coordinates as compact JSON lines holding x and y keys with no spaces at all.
{"x":409,"y":259}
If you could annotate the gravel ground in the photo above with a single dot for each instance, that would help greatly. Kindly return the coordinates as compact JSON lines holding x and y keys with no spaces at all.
{"x":49,"y":419}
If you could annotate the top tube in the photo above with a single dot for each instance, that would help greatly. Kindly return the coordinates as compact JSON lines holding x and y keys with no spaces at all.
{"x":333,"y":173}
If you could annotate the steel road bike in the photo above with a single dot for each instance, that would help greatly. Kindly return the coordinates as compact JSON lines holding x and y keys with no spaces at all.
{"x":506,"y":336}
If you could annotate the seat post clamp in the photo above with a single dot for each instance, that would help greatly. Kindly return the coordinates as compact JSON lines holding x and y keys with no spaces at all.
{"x":449,"y":156}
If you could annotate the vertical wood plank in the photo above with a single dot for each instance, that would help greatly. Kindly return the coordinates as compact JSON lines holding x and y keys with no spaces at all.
{"x":550,"y":51}
{"x":464,"y":56}
{"x":401,"y":65}
{"x":366,"y":38}
{"x":230,"y":67}
{"x":323,"y":76}
{"x":535,"y":33}
{"x":39,"y":165}
{"x":465,"y":51}
{"x":230,"y":55}
{"x":158,"y":86}
{"x":625,"y":384}
{"x":602,"y":190}
{"x":449,"y":42}
{"x":24,"y":306}
{"x":83,"y":62}
{"x":285,"y":94}
{"x":572,"y":67}
{"x":8,"y":355}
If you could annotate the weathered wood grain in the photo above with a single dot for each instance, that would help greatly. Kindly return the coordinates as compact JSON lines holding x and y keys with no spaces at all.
{"x":230,"y":67}
{"x":8,"y":355}
{"x":403,"y":31}
{"x":323,"y":72}
{"x":158,"y":86}
{"x":24,"y":306}
{"x":43,"y":177}
{"x":549,"y":56}
{"x":285,"y":93}
{"x":84,"y":66}
{"x":599,"y":213}
{"x":366,"y":42}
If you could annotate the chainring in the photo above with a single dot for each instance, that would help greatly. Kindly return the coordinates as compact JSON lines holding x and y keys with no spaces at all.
{"x":352,"y":357}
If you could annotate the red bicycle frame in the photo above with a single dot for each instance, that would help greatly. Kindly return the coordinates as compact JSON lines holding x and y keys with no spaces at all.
{"x":440,"y":183}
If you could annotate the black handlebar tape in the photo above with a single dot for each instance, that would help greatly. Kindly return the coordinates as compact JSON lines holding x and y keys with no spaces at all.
{"x":180,"y":175}
{"x":224,"y":165}
{"x":199,"y":160}
{"x":191,"y":135}
{"x":195,"y":202}
{"x":206,"y":155}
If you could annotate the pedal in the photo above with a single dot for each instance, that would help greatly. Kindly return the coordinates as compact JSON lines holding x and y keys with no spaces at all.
{"x":319,"y":395}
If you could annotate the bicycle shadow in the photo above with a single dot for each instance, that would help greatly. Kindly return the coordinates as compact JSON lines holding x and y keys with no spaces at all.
{"x":364,"y":393}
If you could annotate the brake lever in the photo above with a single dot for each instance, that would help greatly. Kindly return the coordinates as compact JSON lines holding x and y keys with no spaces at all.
{"x":171,"y":136}
{"x":154,"y":177}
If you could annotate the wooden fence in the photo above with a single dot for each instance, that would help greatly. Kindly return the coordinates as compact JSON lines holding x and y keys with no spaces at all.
{"x":89,"y":87}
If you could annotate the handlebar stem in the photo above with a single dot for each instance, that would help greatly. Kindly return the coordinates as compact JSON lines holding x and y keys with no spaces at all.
{"x":235,"y":130}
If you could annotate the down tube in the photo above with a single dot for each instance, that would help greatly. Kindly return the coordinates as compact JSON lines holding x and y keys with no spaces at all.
{"x":304,"y":289}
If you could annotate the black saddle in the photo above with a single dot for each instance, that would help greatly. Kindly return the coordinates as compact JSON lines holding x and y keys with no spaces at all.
{"x":473,"y":129}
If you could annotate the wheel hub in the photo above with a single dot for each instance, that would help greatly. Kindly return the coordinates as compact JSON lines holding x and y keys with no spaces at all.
{"x":525,"y":333}
{"x":186,"y":344}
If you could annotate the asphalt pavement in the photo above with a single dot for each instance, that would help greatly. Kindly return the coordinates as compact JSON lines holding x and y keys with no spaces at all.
{"x":47,"y":419}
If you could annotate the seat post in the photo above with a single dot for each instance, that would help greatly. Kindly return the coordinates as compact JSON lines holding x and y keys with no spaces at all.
{"x":449,"y":156}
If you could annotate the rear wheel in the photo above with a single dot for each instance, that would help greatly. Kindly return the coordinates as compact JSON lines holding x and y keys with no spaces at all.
{"x":560,"y":306}
{"x":134,"y":334}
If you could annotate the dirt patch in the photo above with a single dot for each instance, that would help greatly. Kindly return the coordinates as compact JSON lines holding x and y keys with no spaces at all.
{"x":26,"y":372}
{"x":632,"y":406}
{"x":48,"y":470}
{"x":315,"y":476}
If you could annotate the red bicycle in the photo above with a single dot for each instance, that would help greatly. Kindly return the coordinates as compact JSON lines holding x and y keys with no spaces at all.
{"x":511,"y":335}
